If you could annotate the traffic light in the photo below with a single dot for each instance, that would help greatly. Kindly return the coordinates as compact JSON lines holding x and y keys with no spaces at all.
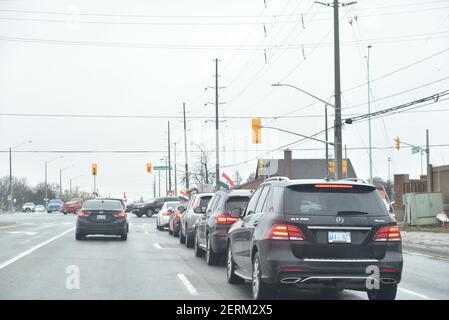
{"x":397,"y":143}
{"x":149,"y":168}
{"x":256,"y":130}
{"x":94,"y":169}
{"x":332,"y":166}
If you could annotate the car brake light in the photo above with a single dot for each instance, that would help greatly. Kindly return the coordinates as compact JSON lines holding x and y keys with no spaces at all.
{"x":178,"y":215}
{"x":284,"y":232}
{"x":120,"y":214}
{"x":333,"y":186}
{"x":83,"y":214}
{"x":167,"y":213}
{"x":390,"y":233}
{"x":225,"y":219}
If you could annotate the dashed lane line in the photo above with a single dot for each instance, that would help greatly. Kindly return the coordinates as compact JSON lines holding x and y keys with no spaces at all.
{"x":189,"y":286}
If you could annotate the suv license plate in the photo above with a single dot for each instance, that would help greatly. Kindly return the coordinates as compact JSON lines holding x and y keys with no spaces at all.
{"x":339,"y":237}
{"x":101,"y":217}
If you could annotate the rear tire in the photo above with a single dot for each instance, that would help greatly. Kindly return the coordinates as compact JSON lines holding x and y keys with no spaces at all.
{"x":212,"y":259}
{"x":182,"y":237}
{"x":124,"y":237}
{"x":198,"y":251}
{"x":189,"y":240}
{"x":386,"y":292}
{"x":230,"y":268}
{"x":260,"y":289}
{"x":149,"y":213}
{"x":78,"y":236}
{"x":139,"y":215}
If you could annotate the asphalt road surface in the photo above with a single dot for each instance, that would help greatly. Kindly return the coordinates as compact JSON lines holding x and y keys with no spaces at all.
{"x":40,"y":258}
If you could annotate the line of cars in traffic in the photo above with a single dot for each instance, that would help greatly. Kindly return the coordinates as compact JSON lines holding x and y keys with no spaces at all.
{"x":55,"y":205}
{"x":307,"y":234}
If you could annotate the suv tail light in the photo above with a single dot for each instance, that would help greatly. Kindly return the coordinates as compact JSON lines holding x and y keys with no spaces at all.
{"x":120,"y":214}
{"x":83,"y":214}
{"x":225,"y":219}
{"x":390,"y":233}
{"x":284,"y":232}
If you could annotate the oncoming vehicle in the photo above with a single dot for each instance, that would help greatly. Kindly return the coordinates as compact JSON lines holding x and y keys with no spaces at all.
{"x":106,"y":217}
{"x":315,"y":234}
{"x":54,"y":205}
{"x":28,"y":207}
{"x":212,"y":229}
{"x":39,"y":208}
{"x":163,"y":216}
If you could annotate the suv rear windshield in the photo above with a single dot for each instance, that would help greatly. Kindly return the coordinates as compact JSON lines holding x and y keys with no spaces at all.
{"x":236,"y":202}
{"x":312,"y":200}
{"x":204,"y":201}
{"x":102,"y":205}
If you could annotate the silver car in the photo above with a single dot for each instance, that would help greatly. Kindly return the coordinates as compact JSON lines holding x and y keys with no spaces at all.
{"x":195,"y":209}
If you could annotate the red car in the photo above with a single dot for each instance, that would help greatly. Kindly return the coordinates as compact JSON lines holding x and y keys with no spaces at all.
{"x":174,"y":225}
{"x":72,"y":206}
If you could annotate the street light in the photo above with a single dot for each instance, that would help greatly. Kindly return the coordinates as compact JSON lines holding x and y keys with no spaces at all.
{"x":46,"y":181}
{"x":326,"y":103}
{"x":60,"y":179}
{"x":10,"y":173}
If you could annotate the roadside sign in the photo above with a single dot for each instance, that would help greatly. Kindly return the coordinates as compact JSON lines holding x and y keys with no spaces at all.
{"x":416,"y":150}
{"x":162,"y":168}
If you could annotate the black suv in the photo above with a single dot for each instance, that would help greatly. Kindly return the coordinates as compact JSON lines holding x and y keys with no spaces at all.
{"x":153,"y":206}
{"x":212,"y":229}
{"x":315,"y":234}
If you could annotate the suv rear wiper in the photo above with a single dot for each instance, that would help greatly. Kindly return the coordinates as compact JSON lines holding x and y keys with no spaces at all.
{"x":350,"y":212}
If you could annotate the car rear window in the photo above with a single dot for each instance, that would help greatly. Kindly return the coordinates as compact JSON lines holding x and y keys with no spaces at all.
{"x":172,"y":205}
{"x":236,"y":202}
{"x":55,"y":201}
{"x":204,"y":201}
{"x":102,"y":205}
{"x":313,"y":200}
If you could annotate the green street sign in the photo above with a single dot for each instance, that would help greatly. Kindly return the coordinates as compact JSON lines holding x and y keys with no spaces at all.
{"x":416,"y":150}
{"x":162,"y":168}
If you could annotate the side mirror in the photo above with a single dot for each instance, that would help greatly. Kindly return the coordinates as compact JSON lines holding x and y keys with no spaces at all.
{"x":181,"y":208}
{"x":236,"y":212}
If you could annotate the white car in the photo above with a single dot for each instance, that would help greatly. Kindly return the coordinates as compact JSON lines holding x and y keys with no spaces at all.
{"x":28,"y":207}
{"x":163,"y":216}
{"x":39,"y":208}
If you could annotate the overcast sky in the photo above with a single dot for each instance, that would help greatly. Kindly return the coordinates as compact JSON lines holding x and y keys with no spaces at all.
{"x":145,"y":58}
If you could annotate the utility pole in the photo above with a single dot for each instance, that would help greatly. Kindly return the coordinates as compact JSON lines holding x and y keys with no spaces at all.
{"x":217,"y":145}
{"x":169,"y":158}
{"x":389,"y":172}
{"x":338,"y":150}
{"x":10,"y":181}
{"x":60,"y":184}
{"x":327,"y":146}
{"x":185,"y":145}
{"x":46,"y":185}
{"x":176,"y":175}
{"x":154,"y":186}
{"x":369,"y":120}
{"x":427,"y":150}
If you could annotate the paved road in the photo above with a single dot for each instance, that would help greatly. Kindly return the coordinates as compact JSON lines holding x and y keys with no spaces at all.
{"x":38,"y":250}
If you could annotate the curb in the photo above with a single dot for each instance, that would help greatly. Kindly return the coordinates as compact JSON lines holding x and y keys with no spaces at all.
{"x":7,"y":224}
{"x":426,"y":251}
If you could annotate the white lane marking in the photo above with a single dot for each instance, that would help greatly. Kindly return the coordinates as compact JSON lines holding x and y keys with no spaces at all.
{"x":23,"y":232}
{"x":187,"y":284}
{"x":415,"y":294}
{"x":425,"y":255}
{"x":157,"y":245}
{"x":40,"y":245}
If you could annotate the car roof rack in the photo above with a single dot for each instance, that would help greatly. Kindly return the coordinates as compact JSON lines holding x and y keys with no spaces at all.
{"x":354,"y":180}
{"x":277,"y":179}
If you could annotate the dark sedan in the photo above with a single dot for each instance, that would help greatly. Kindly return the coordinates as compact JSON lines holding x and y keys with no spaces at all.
{"x":106,"y":217}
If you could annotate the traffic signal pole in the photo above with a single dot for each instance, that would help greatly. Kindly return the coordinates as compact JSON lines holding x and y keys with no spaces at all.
{"x":217,"y":145}
{"x":169,"y":158}
{"x":185,"y":145}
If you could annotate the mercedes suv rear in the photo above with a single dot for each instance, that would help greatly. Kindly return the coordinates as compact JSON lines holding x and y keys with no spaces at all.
{"x":315,"y":234}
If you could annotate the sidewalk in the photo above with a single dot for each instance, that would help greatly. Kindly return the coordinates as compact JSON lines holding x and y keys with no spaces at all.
{"x":429,"y":243}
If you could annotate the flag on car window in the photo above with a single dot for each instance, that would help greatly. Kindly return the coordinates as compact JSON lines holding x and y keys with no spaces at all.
{"x":226,"y":182}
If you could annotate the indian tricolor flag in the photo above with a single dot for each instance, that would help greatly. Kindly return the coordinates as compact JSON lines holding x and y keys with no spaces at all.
{"x":226,"y":182}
